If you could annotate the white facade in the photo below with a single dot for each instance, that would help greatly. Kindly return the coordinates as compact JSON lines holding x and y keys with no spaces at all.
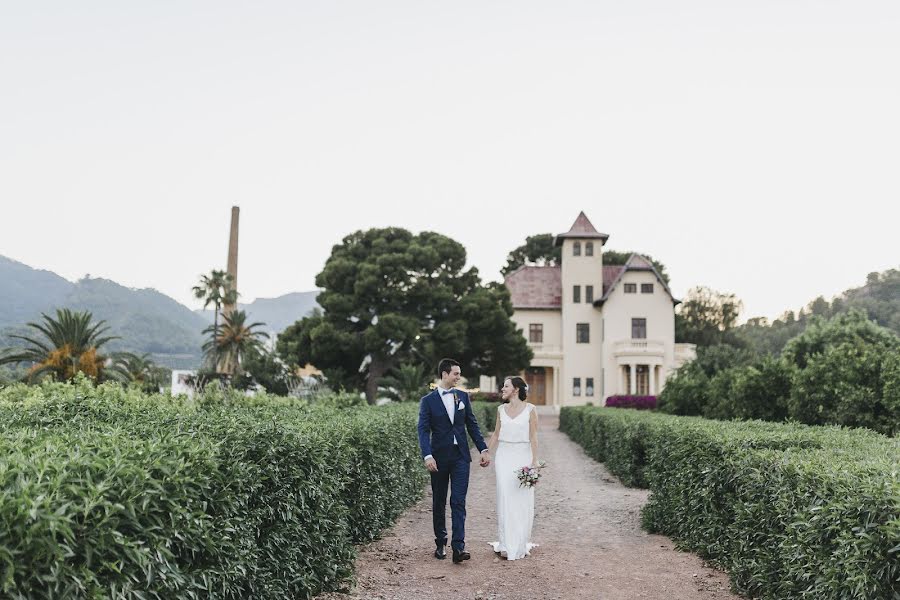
{"x":595,"y":331}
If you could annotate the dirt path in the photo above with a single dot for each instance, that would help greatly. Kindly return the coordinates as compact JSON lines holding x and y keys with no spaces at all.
{"x":588,"y":528}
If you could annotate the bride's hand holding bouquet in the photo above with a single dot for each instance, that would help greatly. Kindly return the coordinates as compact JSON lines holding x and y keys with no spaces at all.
{"x":529,"y":475}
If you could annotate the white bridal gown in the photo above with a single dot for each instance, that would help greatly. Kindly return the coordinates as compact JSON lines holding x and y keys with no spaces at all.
{"x":515,"y":505}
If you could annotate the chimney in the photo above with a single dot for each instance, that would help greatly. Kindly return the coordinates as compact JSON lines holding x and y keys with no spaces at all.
{"x":233,"y":254}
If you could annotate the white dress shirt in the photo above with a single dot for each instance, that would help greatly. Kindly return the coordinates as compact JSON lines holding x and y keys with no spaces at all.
{"x":450,"y":407}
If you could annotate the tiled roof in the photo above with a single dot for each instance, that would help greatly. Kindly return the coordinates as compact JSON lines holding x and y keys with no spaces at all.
{"x":535,"y":287}
{"x":541,"y":287}
{"x":610,"y":274}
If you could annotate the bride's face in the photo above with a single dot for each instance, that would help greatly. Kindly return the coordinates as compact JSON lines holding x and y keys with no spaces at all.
{"x":507,"y":391}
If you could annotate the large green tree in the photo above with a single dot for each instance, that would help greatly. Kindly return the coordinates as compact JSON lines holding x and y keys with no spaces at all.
{"x":848,"y":384}
{"x":853,"y":326}
{"x":707,"y":317}
{"x":391,"y":297}
{"x":537,"y":250}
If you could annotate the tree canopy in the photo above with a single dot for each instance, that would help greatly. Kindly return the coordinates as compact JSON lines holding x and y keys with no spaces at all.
{"x":537,"y":250}
{"x":390,"y":297}
{"x":707,"y":317}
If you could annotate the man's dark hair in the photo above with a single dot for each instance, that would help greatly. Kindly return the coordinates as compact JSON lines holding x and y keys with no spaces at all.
{"x":445,"y":366}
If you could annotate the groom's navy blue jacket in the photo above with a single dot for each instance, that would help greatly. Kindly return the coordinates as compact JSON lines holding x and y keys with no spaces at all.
{"x":436,"y":432}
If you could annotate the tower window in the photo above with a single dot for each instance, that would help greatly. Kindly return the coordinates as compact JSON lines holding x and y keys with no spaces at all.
{"x":576,"y":249}
{"x":536,"y":333}
{"x":576,"y":293}
{"x":589,"y":248}
{"x":582,"y":333}
{"x":588,"y":293}
{"x":576,"y":386}
{"x":631,"y":288}
{"x":646,"y":288}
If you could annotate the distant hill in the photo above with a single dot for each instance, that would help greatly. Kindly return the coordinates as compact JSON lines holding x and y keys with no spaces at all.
{"x":25,"y":292}
{"x":277,"y":313}
{"x":879,"y":298}
{"x":145,"y":319}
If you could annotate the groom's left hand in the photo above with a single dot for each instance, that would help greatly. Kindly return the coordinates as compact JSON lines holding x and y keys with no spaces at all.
{"x":485,"y":459}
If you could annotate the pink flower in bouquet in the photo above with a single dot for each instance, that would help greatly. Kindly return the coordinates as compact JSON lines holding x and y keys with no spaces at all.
{"x":529,"y":476}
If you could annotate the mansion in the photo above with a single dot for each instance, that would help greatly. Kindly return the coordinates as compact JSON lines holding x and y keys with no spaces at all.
{"x":596,"y":330}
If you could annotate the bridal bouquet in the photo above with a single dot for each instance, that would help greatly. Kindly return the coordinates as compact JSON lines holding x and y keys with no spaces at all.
{"x":529,"y":476}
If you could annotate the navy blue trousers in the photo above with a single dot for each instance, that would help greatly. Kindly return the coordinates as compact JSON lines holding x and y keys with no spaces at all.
{"x":453,"y":473}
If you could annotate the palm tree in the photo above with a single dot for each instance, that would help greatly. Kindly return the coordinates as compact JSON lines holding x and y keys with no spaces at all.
{"x":232,"y":341}
{"x":406,"y":382}
{"x":216,"y":289}
{"x":140,"y":370}
{"x":72,"y":345}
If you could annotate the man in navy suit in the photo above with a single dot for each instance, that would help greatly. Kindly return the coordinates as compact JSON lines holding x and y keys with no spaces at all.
{"x":444,"y":417}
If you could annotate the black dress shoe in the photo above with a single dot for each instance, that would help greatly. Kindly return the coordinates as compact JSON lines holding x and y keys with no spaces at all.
{"x":440,"y":553}
{"x":459,"y":556}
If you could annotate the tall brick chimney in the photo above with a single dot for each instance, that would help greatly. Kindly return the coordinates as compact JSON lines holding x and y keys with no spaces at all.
{"x":233,"y":254}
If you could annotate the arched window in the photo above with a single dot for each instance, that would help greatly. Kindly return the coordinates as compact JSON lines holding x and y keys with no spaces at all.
{"x":576,"y":249}
{"x":589,"y":248}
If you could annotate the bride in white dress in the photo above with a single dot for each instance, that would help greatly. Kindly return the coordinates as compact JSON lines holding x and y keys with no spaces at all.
{"x":515,"y":440}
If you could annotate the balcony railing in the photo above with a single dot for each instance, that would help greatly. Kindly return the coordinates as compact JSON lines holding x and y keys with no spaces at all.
{"x":545,"y":349}
{"x":639,"y":348}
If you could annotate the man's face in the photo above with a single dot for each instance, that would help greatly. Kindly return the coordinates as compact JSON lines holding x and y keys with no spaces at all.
{"x":454,"y":376}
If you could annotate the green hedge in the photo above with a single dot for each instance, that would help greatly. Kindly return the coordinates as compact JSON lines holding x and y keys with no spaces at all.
{"x":107,"y":492}
{"x":789,"y":511}
{"x":486,"y":414}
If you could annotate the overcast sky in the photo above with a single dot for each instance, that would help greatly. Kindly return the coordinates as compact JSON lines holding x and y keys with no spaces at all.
{"x":750,"y":146}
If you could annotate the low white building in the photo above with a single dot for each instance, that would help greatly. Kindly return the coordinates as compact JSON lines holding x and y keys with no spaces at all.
{"x":596,"y":331}
{"x":180,"y":381}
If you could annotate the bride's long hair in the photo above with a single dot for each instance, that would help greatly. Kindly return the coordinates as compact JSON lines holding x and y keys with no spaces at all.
{"x":520,"y":385}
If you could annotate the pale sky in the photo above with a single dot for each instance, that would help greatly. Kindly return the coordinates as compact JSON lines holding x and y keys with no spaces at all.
{"x":750,"y":146}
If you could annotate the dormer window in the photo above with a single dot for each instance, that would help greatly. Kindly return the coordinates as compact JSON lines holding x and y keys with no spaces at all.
{"x":576,"y":249}
{"x":631,"y":288}
{"x":646,"y":288}
{"x":589,"y":248}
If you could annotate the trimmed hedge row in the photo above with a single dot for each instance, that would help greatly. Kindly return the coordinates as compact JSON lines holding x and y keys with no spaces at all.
{"x":789,"y":511}
{"x":107,"y":492}
{"x":486,"y":414}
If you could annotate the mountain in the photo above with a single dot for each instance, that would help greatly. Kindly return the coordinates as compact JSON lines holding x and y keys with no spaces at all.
{"x":146,"y":320}
{"x":25,"y":292}
{"x":277,"y":313}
